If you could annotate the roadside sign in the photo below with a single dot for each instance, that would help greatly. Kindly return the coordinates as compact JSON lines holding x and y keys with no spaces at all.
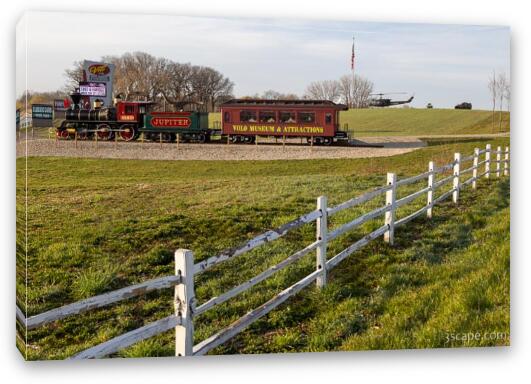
{"x":42,"y":115}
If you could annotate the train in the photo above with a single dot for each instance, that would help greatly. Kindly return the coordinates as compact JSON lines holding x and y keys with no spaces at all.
{"x":242,"y":121}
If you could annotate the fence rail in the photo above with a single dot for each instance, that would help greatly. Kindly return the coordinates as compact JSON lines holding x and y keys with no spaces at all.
{"x":183,"y":281}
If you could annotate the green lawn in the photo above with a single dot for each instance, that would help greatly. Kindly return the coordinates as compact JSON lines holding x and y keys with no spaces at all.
{"x":415,"y":122}
{"x":97,"y":225}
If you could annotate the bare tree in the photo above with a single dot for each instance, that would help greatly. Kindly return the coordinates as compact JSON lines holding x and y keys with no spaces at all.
{"x":139,"y":74}
{"x":501,"y":85}
{"x":178,"y":83}
{"x":493,"y":89}
{"x":507,"y":95}
{"x":271,"y":94}
{"x":355,"y":91}
{"x":345,"y":84}
{"x":324,"y":90}
{"x":73,"y":76}
{"x":210,"y":86}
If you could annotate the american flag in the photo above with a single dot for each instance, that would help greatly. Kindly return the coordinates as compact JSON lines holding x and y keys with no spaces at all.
{"x":353,"y":55}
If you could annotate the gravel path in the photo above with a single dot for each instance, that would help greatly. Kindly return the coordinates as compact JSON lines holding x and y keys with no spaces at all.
{"x":263,"y":151}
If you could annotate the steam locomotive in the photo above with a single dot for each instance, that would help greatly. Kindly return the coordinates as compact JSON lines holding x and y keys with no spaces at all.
{"x":128,"y":119}
{"x":243,"y":120}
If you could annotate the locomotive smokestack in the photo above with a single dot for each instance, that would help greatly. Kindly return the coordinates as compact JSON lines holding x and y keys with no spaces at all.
{"x":76,"y":98}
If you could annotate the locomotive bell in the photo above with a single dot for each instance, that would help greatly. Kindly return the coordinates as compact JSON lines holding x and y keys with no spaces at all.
{"x":97,"y":104}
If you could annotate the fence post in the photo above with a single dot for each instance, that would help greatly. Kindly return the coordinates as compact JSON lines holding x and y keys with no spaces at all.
{"x":390,"y":197}
{"x":475,"y":169}
{"x":498,"y":162}
{"x":431,"y":181}
{"x":487,"y":161}
{"x":322,"y":235}
{"x":183,"y":301}
{"x":457,"y":165}
{"x":506,"y":163}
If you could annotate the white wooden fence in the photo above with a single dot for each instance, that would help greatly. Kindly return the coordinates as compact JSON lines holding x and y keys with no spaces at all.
{"x":185,"y":269}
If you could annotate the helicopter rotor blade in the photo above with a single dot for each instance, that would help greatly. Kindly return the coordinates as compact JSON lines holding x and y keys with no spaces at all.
{"x":389,"y":93}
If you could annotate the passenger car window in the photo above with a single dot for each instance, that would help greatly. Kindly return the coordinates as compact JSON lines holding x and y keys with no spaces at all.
{"x":247,"y":116}
{"x":287,"y":117}
{"x":267,"y":117}
{"x":307,"y":117}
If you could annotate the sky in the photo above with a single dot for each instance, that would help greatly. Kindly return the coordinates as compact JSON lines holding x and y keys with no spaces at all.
{"x":437,"y":63}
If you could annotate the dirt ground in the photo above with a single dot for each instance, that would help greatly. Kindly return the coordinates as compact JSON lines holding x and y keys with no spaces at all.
{"x":267,"y":149}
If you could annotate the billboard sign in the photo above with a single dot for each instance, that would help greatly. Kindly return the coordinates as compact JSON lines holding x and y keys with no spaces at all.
{"x":92,"y":89}
{"x":42,"y":111}
{"x":97,"y":82}
{"x":60,"y":105}
{"x":41,"y":115}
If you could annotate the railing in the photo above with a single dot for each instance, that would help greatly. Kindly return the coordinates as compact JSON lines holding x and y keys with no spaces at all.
{"x":183,"y":281}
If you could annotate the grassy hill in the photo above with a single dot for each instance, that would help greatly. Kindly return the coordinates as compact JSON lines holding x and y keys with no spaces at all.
{"x":416,"y":122}
{"x":419,"y":122}
{"x":97,"y":225}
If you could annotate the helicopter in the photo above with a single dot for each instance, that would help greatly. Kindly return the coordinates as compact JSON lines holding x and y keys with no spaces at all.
{"x":386,"y":102}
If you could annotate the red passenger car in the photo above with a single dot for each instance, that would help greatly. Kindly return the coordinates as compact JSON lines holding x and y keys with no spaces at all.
{"x":316,"y":120}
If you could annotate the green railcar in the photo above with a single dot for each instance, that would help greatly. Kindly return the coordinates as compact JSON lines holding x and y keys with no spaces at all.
{"x":168,"y":126}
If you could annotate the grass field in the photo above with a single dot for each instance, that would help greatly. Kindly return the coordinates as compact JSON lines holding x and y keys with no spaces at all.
{"x":415,"y":122}
{"x":97,"y":225}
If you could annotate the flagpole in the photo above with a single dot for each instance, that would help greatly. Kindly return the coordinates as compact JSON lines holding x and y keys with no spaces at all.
{"x":352,"y":69}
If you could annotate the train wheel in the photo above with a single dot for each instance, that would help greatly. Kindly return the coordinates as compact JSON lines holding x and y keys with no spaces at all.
{"x":127,"y":132}
{"x":168,"y":137}
{"x":62,"y":134}
{"x":248,"y":139}
{"x":201,"y":138}
{"x":104,"y":132}
{"x":327,"y":140}
{"x":82,"y":135}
